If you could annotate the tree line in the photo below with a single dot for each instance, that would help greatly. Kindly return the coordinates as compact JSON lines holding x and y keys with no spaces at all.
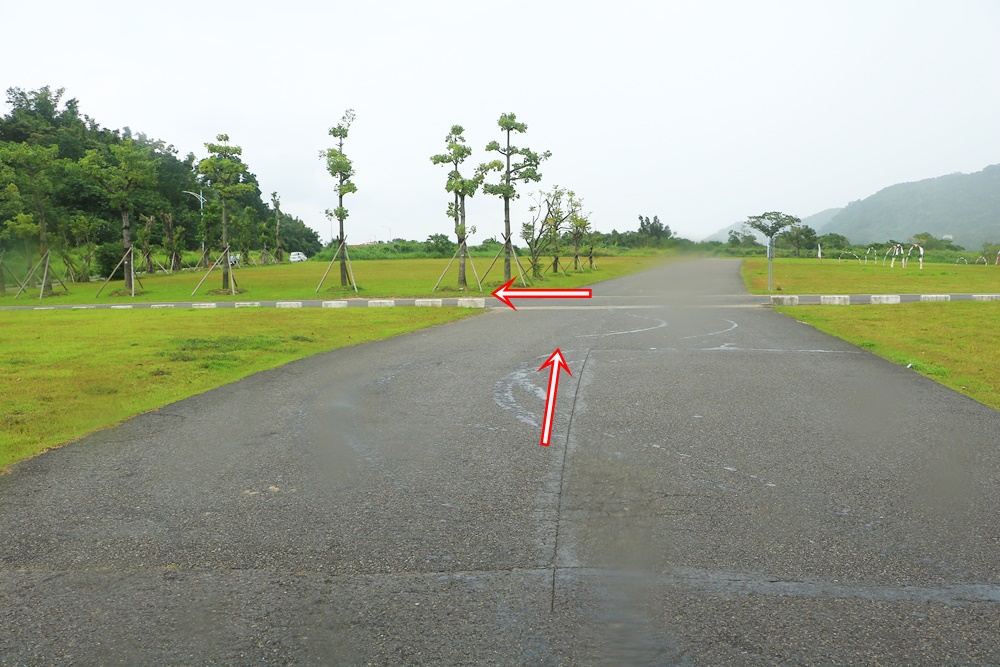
{"x":69,"y":186}
{"x":96,"y":197}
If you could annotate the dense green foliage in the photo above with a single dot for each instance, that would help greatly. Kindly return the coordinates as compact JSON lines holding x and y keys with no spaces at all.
{"x":70,"y":186}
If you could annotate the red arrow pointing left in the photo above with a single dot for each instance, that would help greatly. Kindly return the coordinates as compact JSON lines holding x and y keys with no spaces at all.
{"x":505,"y":293}
{"x":557,"y":363}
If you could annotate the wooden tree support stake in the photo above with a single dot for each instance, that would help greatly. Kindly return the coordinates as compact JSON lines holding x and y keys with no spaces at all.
{"x":350,"y":270}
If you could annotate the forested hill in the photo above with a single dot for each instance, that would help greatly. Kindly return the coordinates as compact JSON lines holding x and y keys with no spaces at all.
{"x":67,"y":185}
{"x":819,"y":221}
{"x":964,"y":206}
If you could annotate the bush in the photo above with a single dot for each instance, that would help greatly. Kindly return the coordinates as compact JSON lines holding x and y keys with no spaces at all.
{"x":106,"y":257}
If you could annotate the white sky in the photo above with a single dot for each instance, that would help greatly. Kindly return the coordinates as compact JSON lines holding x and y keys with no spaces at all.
{"x":700,"y":112}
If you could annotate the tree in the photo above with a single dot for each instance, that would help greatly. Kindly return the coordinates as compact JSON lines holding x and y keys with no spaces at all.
{"x":460,"y":187}
{"x":145,"y":236}
{"x":742,"y":239}
{"x":342,"y":169}
{"x":653,"y":233}
{"x":18,"y":225}
{"x":297,"y":237}
{"x":439,"y":244}
{"x":769,"y":224}
{"x":550,"y":211}
{"x":276,"y":204}
{"x":799,"y":237}
{"x":834,"y":241}
{"x":121,"y":171}
{"x":523,"y":171}
{"x":30,"y":169}
{"x":224,"y":173}
{"x":579,"y":229}
{"x":173,"y":239}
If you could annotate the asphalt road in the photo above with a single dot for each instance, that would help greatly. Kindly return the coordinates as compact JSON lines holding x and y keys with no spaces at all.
{"x":725,"y":486}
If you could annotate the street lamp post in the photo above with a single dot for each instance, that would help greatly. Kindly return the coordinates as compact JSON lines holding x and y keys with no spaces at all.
{"x":200,"y":196}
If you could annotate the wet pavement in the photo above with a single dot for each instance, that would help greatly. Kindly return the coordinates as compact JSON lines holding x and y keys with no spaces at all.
{"x":725,"y":486}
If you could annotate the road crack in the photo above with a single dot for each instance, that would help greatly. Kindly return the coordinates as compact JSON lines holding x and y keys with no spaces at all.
{"x":562,"y":477}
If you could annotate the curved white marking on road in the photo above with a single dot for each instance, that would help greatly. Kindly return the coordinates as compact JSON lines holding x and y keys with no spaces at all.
{"x":729,"y":347}
{"x":524,"y":379}
{"x":660,"y":324}
{"x":714,"y":333}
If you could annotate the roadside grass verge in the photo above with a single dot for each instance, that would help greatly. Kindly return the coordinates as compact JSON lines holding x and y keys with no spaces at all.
{"x":66,"y":373}
{"x":829,"y":276}
{"x":953,"y":343}
{"x":385,"y":278}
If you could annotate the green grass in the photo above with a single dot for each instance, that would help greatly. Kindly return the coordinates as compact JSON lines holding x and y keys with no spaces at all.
{"x":953,"y":343}
{"x":391,"y":278}
{"x":66,"y":373}
{"x":829,"y":276}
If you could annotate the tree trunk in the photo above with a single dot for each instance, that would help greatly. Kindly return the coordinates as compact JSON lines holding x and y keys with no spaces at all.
{"x":127,"y":247}
{"x":277,"y":238}
{"x":506,"y":219}
{"x":460,"y":229}
{"x":344,"y":282}
{"x":225,"y":245}
{"x":147,"y":252}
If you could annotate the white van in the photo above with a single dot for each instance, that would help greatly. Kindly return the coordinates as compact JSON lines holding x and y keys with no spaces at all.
{"x":297,"y":257}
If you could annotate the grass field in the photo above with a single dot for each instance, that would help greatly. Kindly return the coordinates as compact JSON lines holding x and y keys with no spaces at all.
{"x":953,"y":343}
{"x":66,"y":373}
{"x":388,"y":278}
{"x":829,"y":276}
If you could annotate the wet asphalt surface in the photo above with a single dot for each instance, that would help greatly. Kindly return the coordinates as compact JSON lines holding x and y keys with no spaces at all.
{"x":726,"y":486}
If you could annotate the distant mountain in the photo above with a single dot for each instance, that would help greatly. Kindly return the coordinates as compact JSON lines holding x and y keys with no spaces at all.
{"x":963,"y":206}
{"x":819,"y":221}
{"x":723,"y":234}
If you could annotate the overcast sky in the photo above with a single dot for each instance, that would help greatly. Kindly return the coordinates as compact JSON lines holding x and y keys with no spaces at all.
{"x":702,"y":113}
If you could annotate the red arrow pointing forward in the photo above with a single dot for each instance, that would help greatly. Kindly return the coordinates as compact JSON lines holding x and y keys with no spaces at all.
{"x":557,"y":363}
{"x":505,"y":294}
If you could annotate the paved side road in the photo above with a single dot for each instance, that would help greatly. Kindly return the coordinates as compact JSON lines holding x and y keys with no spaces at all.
{"x":725,"y":486}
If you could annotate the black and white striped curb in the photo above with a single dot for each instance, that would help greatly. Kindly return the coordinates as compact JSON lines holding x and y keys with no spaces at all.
{"x":478,"y":303}
{"x":877,"y":299}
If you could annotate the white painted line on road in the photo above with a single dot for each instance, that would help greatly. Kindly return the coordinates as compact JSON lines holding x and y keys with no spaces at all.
{"x":288,"y":304}
{"x":203,"y":305}
{"x":660,"y":324}
{"x":335,"y":304}
{"x":732,"y":326}
{"x":729,"y":347}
